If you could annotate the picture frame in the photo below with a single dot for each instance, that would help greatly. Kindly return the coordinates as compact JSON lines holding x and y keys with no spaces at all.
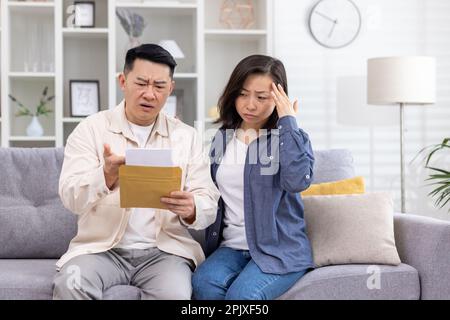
{"x":174,"y":104}
{"x":84,"y":97}
{"x":84,"y":14}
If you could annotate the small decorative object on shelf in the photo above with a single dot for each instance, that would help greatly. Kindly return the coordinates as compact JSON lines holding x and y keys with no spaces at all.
{"x":34,"y":129}
{"x":84,"y":97}
{"x":173,"y":48}
{"x":39,"y":53}
{"x":133,"y":24}
{"x":237,"y":14}
{"x":84,"y":14}
{"x":213,"y":112}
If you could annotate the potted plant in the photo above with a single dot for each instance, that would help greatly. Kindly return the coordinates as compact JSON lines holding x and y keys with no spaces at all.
{"x":440,"y":177}
{"x":34,"y":129}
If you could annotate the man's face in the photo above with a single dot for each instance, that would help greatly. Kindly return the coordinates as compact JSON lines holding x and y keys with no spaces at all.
{"x":146,"y":88}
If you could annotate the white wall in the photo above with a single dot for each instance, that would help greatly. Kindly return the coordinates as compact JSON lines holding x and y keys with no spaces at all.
{"x":390,"y":28}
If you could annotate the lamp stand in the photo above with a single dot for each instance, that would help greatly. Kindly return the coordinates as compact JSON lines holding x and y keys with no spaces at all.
{"x":402,"y":161}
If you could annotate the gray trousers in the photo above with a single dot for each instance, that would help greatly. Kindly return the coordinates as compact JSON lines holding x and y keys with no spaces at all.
{"x":158,"y":274}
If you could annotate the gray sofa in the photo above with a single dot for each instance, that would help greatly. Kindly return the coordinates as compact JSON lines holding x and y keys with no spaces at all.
{"x":35,"y":230}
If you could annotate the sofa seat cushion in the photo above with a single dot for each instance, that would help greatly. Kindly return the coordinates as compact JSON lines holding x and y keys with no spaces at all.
{"x":350,"y":282}
{"x":32,"y":279}
{"x":24,"y":279}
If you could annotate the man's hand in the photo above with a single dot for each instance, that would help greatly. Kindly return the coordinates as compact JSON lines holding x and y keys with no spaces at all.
{"x":111,"y":166}
{"x":181,"y":203}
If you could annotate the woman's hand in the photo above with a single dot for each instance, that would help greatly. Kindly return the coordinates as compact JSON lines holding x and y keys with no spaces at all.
{"x":282,"y":102}
{"x":181,"y":203}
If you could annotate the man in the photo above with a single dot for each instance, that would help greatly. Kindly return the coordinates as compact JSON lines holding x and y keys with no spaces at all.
{"x":148,"y":248}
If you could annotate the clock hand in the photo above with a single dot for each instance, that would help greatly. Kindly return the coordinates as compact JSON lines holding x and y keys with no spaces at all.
{"x":332,"y":29}
{"x":325,"y":16}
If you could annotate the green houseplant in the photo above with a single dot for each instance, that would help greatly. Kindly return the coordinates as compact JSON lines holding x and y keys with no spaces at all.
{"x":34,"y":129}
{"x":439,"y":177}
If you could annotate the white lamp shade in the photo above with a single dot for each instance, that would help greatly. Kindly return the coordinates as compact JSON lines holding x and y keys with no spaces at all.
{"x":409,"y":80}
{"x":173,"y":48}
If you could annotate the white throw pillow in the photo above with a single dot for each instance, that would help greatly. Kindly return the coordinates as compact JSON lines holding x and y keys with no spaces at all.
{"x":357,"y":228}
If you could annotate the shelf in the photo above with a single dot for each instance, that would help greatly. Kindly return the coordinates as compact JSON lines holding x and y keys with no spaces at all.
{"x":35,"y":6}
{"x":73,"y":120}
{"x":84,"y":33}
{"x":32,"y":75}
{"x":157,"y":5}
{"x":31,"y":4}
{"x":238,"y":32}
{"x":26,"y":138}
{"x":180,"y":75}
{"x":216,"y":33}
{"x":209,"y":120}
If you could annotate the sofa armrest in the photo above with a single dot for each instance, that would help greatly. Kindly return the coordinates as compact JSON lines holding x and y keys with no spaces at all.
{"x":424,"y":243}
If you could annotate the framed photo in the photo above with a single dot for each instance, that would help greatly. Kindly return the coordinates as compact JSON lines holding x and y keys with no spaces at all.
{"x":174,"y":104}
{"x":84,"y":97}
{"x":84,"y":14}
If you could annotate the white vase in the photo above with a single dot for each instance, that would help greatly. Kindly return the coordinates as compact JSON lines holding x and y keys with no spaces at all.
{"x":35,"y":129}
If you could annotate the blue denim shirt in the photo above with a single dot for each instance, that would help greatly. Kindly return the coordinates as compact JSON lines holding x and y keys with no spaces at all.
{"x":273,"y":208}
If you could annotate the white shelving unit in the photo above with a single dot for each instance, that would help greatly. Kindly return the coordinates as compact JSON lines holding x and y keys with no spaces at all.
{"x":211,"y":50}
{"x":27,"y":64}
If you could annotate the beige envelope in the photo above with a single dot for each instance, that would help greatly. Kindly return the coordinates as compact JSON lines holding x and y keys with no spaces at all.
{"x":143,"y":186}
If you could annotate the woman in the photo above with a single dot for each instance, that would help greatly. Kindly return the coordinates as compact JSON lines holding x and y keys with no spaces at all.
{"x":261,"y":160}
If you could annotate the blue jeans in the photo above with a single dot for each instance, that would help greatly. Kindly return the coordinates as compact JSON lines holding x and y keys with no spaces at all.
{"x":233,"y":275}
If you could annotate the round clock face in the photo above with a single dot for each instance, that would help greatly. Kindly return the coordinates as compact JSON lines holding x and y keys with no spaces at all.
{"x":335,"y":23}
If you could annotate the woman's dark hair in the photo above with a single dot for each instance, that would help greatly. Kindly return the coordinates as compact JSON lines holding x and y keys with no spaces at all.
{"x":254,"y":64}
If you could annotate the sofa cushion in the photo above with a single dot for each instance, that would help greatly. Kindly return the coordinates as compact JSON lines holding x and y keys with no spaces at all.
{"x":347,"y":186}
{"x":353,"y":282}
{"x":332,"y":165}
{"x":26,"y":279}
{"x":32,"y":279}
{"x":33,"y":221}
{"x":346,"y":229}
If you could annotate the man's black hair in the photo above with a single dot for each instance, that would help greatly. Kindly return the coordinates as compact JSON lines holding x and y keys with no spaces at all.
{"x":151,"y":52}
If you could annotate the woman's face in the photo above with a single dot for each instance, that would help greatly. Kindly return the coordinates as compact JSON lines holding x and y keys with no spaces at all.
{"x":254,"y":103}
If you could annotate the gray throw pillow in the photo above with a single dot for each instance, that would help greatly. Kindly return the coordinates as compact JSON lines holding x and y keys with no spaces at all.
{"x":347,"y":229}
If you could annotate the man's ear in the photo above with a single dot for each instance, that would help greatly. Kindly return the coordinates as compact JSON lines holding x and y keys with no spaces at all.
{"x":122,"y":80}
{"x":172,"y":87}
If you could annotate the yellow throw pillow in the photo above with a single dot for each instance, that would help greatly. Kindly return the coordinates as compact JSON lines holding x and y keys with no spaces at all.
{"x":353,"y":185}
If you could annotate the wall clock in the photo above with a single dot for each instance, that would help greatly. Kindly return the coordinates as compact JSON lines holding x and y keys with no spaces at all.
{"x":335,"y":23}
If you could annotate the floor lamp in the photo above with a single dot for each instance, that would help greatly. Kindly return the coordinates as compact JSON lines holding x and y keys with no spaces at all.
{"x":401,"y":81}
